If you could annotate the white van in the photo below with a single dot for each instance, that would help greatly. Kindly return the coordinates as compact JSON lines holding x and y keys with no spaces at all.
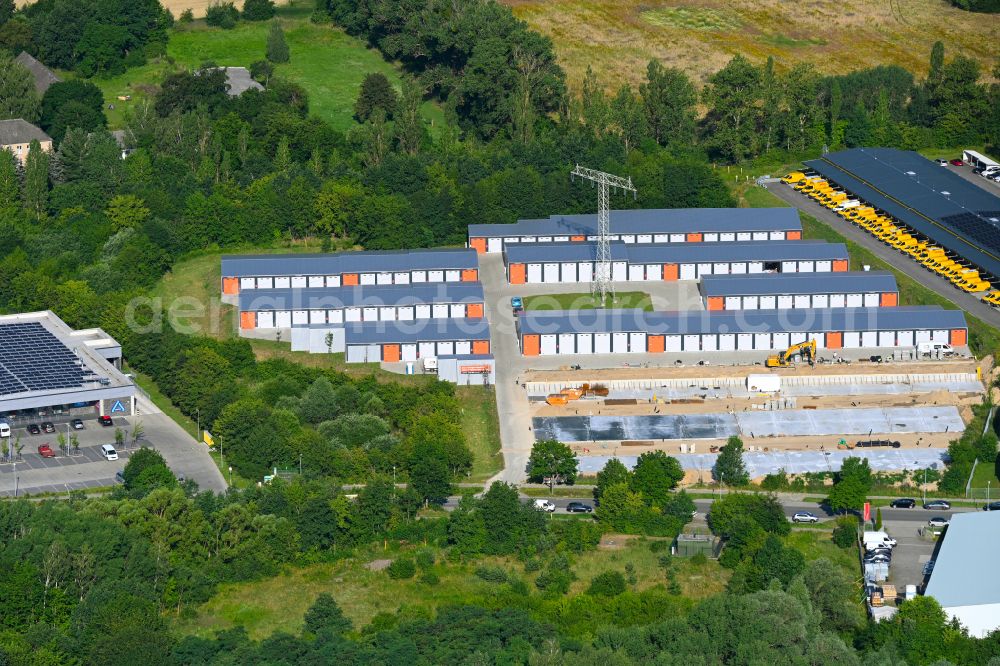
{"x":109,"y":452}
{"x":4,"y":429}
{"x":545,"y":505}
{"x":926,"y":348}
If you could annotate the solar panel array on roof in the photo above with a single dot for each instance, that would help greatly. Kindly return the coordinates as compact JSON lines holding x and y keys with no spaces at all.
{"x":32,"y":359}
{"x":940,"y":204}
{"x":348,"y":262}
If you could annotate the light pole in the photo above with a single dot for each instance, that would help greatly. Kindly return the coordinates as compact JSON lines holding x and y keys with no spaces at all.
{"x":15,"y":479}
{"x":300,"y":464}
{"x":230,"y":475}
{"x":198,"y":435}
{"x":924,"y":487}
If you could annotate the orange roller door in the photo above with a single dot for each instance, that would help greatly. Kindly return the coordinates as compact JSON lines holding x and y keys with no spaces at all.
{"x":793,"y":235}
{"x":694,"y":238}
{"x":715,"y":303}
{"x":470,"y":275}
{"x":959,"y":337}
{"x":230,"y":286}
{"x":478,"y":244}
{"x":349,"y":280}
{"x":578,"y":239}
{"x":474,"y":310}
{"x":834,"y":340}
{"x":390,"y":353}
{"x":839,"y":266}
{"x":248,"y":320}
{"x":670,"y":272}
{"x":655,"y":344}
{"x":888,"y":300}
{"x":518,"y":275}
{"x":480,"y":346}
{"x":531,"y":345}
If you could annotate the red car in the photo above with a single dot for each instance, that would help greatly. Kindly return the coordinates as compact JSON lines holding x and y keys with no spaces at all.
{"x":46,"y":451}
{"x":105,"y":420}
{"x":957,"y":162}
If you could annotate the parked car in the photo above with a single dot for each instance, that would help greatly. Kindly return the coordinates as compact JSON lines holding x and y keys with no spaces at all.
{"x":105,"y":420}
{"x":877,"y":559}
{"x":579,"y":507}
{"x":880,"y":551}
{"x":48,"y":427}
{"x":956,"y":162}
{"x":942,"y":161}
{"x":545,"y":505}
{"x":992,"y":506}
{"x":46,"y":451}
{"x":928,"y":567}
{"x":77,"y":424}
{"x":805,"y":517}
{"x":903,"y":503}
{"x":109,"y":452}
{"x":33,"y":429}
{"x":120,"y":477}
{"x":937,"y":505}
{"x":938,"y":521}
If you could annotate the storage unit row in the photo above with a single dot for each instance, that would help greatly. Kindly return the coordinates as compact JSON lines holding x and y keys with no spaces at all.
{"x":551,"y":262}
{"x":347,"y":269}
{"x":391,"y":342}
{"x":639,"y":332}
{"x":784,"y":291}
{"x":292,"y":307}
{"x":671,"y":225}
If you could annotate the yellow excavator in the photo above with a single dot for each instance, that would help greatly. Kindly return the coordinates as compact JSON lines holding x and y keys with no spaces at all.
{"x":806,"y":350}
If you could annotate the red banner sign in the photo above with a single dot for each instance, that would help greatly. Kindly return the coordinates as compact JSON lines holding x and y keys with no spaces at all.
{"x":868,"y":511}
{"x":474,"y":369}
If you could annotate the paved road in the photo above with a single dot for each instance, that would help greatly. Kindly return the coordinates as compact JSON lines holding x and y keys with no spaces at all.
{"x":899,"y":261}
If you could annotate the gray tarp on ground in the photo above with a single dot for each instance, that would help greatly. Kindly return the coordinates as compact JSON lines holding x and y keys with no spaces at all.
{"x":750,"y":424}
{"x":793,"y":462}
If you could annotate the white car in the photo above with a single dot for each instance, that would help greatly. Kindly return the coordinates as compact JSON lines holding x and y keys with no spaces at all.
{"x":938,"y":521}
{"x":545,"y":505}
{"x":805,"y":517}
{"x":109,"y":452}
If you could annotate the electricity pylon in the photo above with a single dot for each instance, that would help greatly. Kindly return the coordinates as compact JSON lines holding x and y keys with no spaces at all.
{"x":602,"y":284}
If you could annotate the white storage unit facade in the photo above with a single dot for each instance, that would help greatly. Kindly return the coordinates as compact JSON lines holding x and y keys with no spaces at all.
{"x":644,"y":332}
{"x":800,"y":291}
{"x":696,"y":225}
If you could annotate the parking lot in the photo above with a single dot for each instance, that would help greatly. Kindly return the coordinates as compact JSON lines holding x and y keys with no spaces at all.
{"x":87,"y":468}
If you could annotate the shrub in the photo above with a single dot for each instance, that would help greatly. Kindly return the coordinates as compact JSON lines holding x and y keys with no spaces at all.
{"x":491,"y":574}
{"x":607,"y":584}
{"x":845,"y":534}
{"x":425,"y":558}
{"x":699,"y":559}
{"x":659,"y":546}
{"x":258,"y":10}
{"x":532,"y":565}
{"x":429,"y":578}
{"x":519,"y":587}
{"x":402,"y":568}
{"x":186,"y":16}
{"x":222,"y":15}
{"x":775,"y":481}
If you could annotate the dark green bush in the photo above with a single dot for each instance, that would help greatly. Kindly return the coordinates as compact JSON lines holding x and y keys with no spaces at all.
{"x":222,"y":15}
{"x":607,"y":584}
{"x":845,"y":534}
{"x":429,"y":578}
{"x":491,"y":574}
{"x":425,"y":558}
{"x":402,"y":568}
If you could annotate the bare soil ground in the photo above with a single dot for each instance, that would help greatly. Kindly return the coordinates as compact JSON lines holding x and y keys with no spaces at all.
{"x":619,"y":37}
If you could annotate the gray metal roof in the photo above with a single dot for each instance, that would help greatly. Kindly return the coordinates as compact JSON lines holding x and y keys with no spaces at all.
{"x":43,"y":75}
{"x":322,"y":298}
{"x":649,"y":221}
{"x":694,"y":322}
{"x":766,"y":284}
{"x":20,"y":131}
{"x":424,"y":330}
{"x":965,"y":569}
{"x":266,"y":265}
{"x":936,"y":202}
{"x":681,"y":253}
{"x":534,"y":253}
{"x":240,"y":81}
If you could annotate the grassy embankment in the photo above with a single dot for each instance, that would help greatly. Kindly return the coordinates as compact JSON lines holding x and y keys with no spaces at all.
{"x":325,"y":61}
{"x":622,"y":300}
{"x":619,"y":37}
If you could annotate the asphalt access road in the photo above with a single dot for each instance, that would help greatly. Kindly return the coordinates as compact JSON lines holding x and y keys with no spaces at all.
{"x":899,"y":261}
{"x":915,"y":515}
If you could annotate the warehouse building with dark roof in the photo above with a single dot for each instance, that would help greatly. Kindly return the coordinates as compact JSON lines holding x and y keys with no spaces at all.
{"x":575,"y":262}
{"x":285,"y":308}
{"x":667,"y":225}
{"x":961,"y":217}
{"x":396,"y":341}
{"x":782,"y":291}
{"x":546,"y":333}
{"x":347,"y":269}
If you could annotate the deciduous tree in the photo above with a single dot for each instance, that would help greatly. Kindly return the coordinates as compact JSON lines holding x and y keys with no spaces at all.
{"x":729,"y":468}
{"x":552,"y":462}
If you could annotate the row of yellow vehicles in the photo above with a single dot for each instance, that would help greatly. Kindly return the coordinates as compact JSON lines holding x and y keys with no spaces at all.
{"x":887,"y":230}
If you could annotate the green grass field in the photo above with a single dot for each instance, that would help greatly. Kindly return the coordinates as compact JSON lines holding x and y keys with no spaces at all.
{"x":327,"y":62}
{"x":622,"y":300}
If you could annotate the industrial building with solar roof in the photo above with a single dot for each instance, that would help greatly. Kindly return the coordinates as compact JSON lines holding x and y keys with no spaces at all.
{"x":48,"y":369}
{"x":948,"y":210}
